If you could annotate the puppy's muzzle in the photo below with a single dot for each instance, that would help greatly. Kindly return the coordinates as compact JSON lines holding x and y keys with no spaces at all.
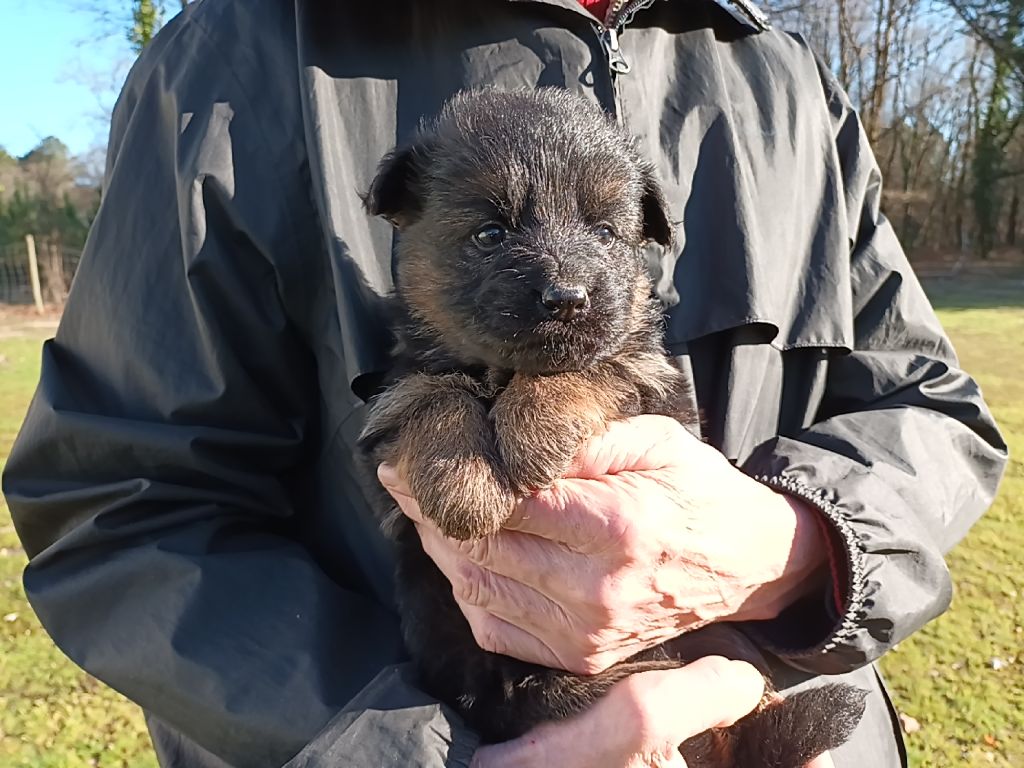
{"x":565,"y":301}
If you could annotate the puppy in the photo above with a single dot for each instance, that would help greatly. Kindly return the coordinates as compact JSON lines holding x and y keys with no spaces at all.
{"x":525,"y":323}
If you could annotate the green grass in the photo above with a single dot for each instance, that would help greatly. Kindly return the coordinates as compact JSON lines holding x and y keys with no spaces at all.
{"x":54,"y":715}
{"x":971,"y":713}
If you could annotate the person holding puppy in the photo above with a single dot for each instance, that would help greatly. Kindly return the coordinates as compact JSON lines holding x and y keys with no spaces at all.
{"x":184,"y":487}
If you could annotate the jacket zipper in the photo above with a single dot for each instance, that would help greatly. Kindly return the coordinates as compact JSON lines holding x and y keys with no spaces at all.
{"x":617,"y":63}
{"x":620,"y":13}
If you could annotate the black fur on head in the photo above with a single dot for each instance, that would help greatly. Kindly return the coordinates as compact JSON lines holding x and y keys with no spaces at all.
{"x":522,"y":219}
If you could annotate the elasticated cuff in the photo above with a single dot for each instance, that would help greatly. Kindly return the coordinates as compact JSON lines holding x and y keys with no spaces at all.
{"x":819,"y":622}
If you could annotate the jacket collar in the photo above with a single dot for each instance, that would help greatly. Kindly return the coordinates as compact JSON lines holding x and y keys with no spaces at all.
{"x":745,"y":11}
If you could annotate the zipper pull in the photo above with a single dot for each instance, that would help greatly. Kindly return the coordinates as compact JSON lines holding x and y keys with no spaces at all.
{"x":617,"y":63}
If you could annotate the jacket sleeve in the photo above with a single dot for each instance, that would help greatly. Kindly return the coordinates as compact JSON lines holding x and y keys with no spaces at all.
{"x":904,"y":455}
{"x":153,"y":481}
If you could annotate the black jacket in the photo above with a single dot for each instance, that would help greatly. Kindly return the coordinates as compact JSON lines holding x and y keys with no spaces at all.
{"x":183,"y":483}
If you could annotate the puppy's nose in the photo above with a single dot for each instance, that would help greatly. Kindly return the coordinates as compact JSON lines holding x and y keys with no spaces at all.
{"x":565,"y":301}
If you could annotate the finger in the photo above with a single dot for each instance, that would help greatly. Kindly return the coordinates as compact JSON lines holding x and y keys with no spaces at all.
{"x":730,"y":690}
{"x":538,"y":563}
{"x":585,"y":510}
{"x":399,"y":491}
{"x":499,"y":636}
{"x":641,"y":716}
{"x":821,"y":761}
{"x":585,"y":740}
{"x":713,"y":692}
{"x":547,"y":744}
{"x":654,"y":712}
{"x":523,"y":752}
{"x":565,"y":744}
{"x":506,"y":616}
{"x":584,"y":515}
{"x":641,"y":443}
{"x":536,"y":600}
{"x":674,"y":760}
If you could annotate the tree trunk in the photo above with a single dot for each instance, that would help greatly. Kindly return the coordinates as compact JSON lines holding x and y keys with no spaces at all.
{"x":842,"y":23}
{"x":56,"y":284}
{"x":1011,"y":222}
{"x":884,"y":24}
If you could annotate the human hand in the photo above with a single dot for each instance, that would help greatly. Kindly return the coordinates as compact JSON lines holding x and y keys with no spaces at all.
{"x":640,"y":723}
{"x":651,"y":534}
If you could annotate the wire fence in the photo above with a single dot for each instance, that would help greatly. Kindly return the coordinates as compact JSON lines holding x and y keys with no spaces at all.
{"x":56,"y":268}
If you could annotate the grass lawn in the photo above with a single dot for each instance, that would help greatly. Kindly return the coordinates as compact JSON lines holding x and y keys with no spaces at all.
{"x":52,"y":715}
{"x":961,"y":678}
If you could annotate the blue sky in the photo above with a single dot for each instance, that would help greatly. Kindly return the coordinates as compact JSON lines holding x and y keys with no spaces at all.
{"x":59,"y":73}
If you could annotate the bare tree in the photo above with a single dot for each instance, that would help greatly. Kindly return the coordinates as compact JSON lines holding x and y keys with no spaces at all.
{"x":940,"y":88}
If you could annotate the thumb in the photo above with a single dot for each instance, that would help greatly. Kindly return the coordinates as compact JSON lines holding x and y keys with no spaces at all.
{"x":645,"y":717}
{"x":641,"y":721}
{"x":821,"y":761}
{"x":711,"y":692}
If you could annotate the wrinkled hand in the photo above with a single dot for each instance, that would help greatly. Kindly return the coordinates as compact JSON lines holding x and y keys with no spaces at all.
{"x":640,"y":723}
{"x":651,"y":534}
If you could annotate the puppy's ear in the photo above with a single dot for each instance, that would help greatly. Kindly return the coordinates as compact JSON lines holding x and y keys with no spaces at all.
{"x":396,"y":192}
{"x":657,"y":224}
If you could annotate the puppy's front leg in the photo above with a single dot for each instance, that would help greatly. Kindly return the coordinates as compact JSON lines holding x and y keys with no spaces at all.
{"x":540,"y":422}
{"x":435,"y":430}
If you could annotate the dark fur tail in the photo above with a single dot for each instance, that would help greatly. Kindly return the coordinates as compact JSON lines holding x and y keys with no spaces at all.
{"x":785,"y":733}
{"x":794,"y":731}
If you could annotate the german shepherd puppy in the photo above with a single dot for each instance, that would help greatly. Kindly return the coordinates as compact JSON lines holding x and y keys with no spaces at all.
{"x":525,"y":322}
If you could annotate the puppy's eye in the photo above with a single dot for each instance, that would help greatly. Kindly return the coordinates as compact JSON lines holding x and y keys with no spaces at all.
{"x":489,"y":236}
{"x":605,"y":234}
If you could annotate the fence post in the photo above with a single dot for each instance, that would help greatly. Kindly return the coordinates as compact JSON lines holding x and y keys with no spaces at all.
{"x":55,"y":271}
{"x":33,"y":271}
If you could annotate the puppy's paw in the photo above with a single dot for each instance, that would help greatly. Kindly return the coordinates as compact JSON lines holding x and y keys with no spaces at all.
{"x":541,"y":422}
{"x":466,"y":499}
{"x":537,"y":454}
